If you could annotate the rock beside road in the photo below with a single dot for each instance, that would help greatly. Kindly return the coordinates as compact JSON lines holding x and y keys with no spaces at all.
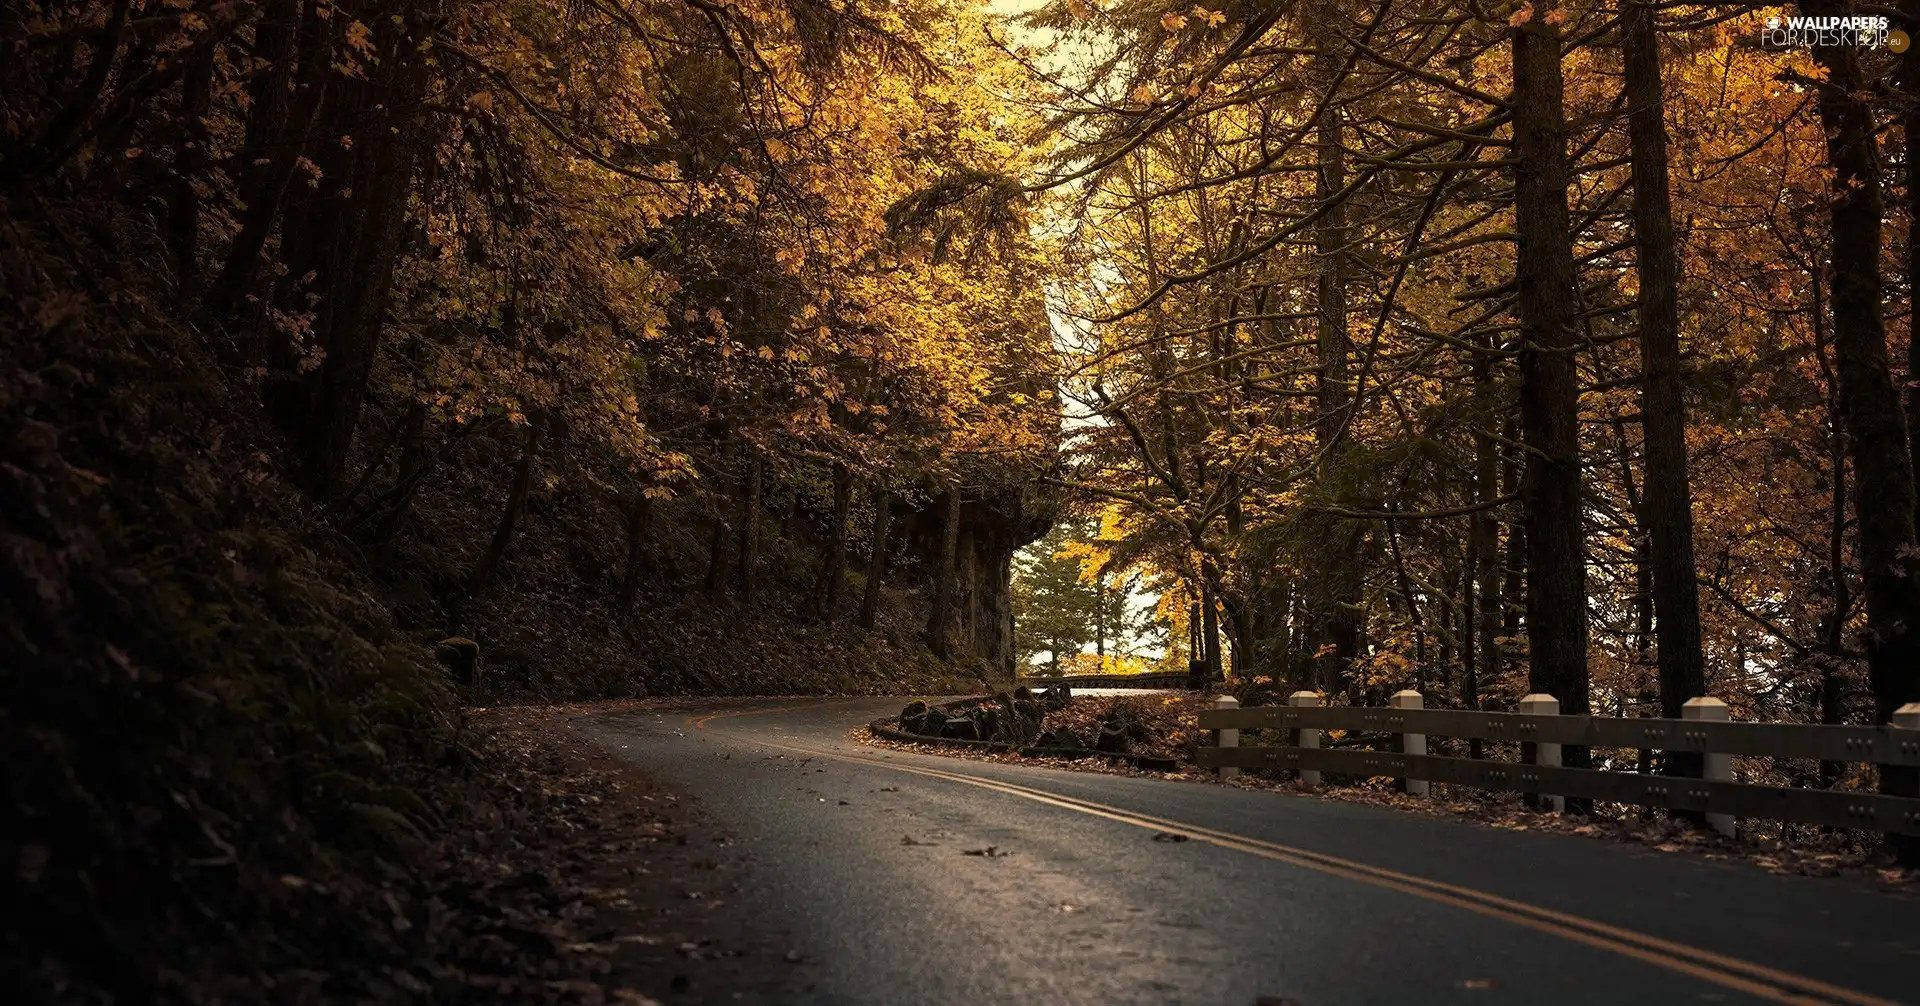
{"x":1059,"y":737}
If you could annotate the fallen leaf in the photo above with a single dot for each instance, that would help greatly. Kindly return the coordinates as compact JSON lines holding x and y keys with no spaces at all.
{"x":1169,"y":836}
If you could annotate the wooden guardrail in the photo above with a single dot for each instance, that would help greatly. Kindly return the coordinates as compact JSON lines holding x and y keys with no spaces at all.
{"x":1704,"y":729}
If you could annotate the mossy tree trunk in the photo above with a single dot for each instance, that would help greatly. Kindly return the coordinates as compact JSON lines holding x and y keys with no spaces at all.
{"x":716,"y":579}
{"x":639,"y":517}
{"x":876,"y":557}
{"x":488,"y":567}
{"x":940,"y":613}
{"x":751,"y":478}
{"x":833,"y":570}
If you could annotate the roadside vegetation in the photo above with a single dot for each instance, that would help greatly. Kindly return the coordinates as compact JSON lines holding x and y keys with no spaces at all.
{"x":363,"y":362}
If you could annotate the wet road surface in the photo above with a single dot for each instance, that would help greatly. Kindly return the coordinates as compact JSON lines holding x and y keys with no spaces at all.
{"x":861,"y":858}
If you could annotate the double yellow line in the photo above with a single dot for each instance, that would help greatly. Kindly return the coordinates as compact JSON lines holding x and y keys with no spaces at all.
{"x":1757,"y":980}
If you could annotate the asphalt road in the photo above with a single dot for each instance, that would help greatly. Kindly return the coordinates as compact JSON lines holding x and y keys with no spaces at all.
{"x":859,"y":857}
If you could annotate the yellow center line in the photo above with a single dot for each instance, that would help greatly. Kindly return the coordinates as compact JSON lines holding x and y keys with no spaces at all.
{"x":1729,"y":972}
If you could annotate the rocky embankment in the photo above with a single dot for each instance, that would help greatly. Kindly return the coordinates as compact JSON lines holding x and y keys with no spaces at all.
{"x":1048,"y":723}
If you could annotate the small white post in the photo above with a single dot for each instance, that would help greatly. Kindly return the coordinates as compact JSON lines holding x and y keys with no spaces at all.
{"x":1413,"y":744}
{"x":1715,"y":767}
{"x":1228,"y":738}
{"x":1309,"y":736}
{"x":1539,"y":704}
{"x":1907,"y":717}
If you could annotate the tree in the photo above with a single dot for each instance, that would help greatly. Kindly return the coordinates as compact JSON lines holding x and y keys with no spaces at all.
{"x":1058,"y":610}
{"x":1876,"y":423}
{"x":1667,"y":510}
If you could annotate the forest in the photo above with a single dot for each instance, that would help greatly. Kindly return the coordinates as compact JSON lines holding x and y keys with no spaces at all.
{"x":1494,"y":351}
{"x":362,"y":361}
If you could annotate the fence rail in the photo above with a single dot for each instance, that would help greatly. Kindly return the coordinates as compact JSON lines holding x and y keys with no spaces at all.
{"x":1705,"y":729}
{"x":1881,"y":745}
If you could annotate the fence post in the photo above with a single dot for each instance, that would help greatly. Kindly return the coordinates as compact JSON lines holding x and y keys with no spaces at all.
{"x":1413,"y":744}
{"x":1907,"y":717}
{"x":1228,"y":738}
{"x":1716,"y":767}
{"x":1309,"y":736}
{"x":1539,"y":704}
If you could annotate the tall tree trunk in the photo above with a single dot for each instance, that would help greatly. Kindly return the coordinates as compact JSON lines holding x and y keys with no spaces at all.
{"x":1549,"y":388}
{"x":1485,"y":546}
{"x":1455,"y":591}
{"x":1642,"y":597}
{"x":1667,"y":504}
{"x":1909,"y":79}
{"x":271,"y":145}
{"x":1833,"y":626}
{"x":940,"y":612}
{"x":1339,"y":632}
{"x":639,"y":516}
{"x":1403,"y":583}
{"x":346,"y":232}
{"x":489,"y":564}
{"x":1196,"y":647}
{"x":1210,"y":631}
{"x":966,"y":588}
{"x":1513,"y":559}
{"x":716,"y":581}
{"x":876,"y":557}
{"x":1876,"y":422}
{"x":1100,"y":617}
{"x":833,"y":573}
{"x":751,"y":481}
{"x":190,"y":164}
{"x":790,"y":517}
{"x":416,"y":460}
{"x":29,"y":156}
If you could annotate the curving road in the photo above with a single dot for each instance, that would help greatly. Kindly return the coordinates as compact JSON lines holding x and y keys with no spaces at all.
{"x":859,"y":856}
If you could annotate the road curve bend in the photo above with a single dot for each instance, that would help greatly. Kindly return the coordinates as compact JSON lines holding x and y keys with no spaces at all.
{"x":1114,"y":890}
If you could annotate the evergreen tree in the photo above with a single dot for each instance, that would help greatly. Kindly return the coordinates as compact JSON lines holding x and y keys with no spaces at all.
{"x":1054,"y":612}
